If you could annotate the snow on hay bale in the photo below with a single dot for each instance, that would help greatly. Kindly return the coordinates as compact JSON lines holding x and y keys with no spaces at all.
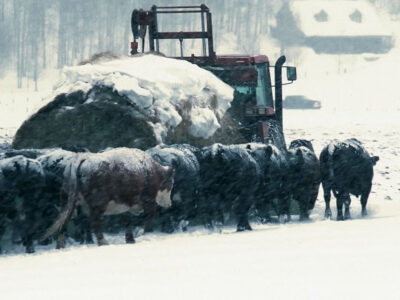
{"x":136,"y":101}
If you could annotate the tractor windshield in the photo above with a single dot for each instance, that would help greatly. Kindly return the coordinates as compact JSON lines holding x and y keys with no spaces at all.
{"x":263,"y":89}
{"x":257,"y":93}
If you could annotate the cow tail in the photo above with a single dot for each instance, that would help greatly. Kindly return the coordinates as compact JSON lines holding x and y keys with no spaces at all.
{"x":71,"y":186}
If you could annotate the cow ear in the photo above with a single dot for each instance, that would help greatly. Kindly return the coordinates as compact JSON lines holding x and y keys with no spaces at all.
{"x":220,"y":154}
{"x":170,"y":173}
{"x":299,"y":159}
{"x":268,"y":152}
{"x":374,"y":159}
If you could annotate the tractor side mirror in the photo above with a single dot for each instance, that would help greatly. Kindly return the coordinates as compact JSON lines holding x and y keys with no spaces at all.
{"x":291,"y":73}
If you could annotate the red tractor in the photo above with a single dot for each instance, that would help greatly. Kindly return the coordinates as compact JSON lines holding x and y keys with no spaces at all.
{"x":253,"y":107}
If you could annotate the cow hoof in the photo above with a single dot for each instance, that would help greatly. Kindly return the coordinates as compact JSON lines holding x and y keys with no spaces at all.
{"x":347,"y":217}
{"x":219,"y":226}
{"x":283,"y":219}
{"x":364,"y":213}
{"x":340,"y":218}
{"x":30,"y":249}
{"x":129,"y":239}
{"x":264,"y":220}
{"x":167,"y":229}
{"x":183,"y":224}
{"x":328,"y":214}
{"x":304,"y":218}
{"x":209,"y":226}
{"x":242,"y":228}
{"x":60,"y":245}
{"x":102,"y":242}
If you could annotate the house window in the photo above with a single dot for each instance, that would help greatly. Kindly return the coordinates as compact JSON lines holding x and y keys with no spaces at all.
{"x":322,"y":16}
{"x":356,"y":16}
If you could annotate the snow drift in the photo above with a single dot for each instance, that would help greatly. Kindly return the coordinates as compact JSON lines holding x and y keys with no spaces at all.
{"x":131,"y":101}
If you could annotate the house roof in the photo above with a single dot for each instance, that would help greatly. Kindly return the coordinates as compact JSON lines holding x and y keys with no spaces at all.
{"x":337,"y":18}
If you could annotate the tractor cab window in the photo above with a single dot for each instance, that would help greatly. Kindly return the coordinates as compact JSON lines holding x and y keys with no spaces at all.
{"x":260,"y":92}
{"x":245,"y":94}
{"x":263,"y":89}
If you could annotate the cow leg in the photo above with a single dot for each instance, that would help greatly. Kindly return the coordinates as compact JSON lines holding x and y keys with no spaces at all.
{"x":208,"y":218}
{"x":210,"y":206}
{"x":313,"y":195}
{"x":327,"y":197}
{"x":284,"y":208}
{"x":219,"y":217}
{"x":241,"y":209}
{"x":87,"y":230}
{"x":263,"y":204}
{"x":129,"y":239}
{"x":95,"y":222}
{"x":347,"y":202}
{"x":263,"y":212}
{"x":2,"y":229}
{"x":223,"y":204}
{"x":83,"y":232}
{"x":78,"y":224}
{"x":303,"y":205}
{"x":61,"y":240}
{"x":243,"y":223}
{"x":150,"y":212}
{"x":167,"y":219}
{"x":364,"y":200}
{"x":339,"y":205}
{"x":27,"y":220}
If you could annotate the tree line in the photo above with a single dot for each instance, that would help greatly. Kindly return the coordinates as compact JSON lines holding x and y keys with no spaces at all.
{"x":40,"y":34}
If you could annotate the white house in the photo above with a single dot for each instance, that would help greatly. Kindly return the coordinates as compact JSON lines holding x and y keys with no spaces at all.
{"x":334,"y":27}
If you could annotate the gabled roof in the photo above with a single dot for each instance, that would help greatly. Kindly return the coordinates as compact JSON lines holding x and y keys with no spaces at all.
{"x":337,"y":18}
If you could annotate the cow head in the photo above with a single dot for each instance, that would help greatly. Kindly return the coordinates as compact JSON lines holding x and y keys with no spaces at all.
{"x":268,"y":152}
{"x":374,"y":159}
{"x":163,"y":197}
{"x":300,"y":142}
{"x":296,"y":159}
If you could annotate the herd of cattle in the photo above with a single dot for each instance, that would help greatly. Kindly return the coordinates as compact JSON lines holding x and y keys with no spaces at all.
{"x":171,"y":186}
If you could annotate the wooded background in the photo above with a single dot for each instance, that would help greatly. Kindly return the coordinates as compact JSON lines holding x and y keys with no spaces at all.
{"x":40,"y":34}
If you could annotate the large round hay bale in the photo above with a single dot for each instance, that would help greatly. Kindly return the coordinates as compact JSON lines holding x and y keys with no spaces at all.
{"x":133,"y":102}
{"x":110,"y":121}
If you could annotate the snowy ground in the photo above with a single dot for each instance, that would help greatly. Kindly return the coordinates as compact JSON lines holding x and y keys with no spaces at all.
{"x":357,"y":259}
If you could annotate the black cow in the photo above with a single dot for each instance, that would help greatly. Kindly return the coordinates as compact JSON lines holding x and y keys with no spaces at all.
{"x":230,"y":177}
{"x":21,"y":184}
{"x":305,"y":175}
{"x":54,"y":163}
{"x":273,"y":190}
{"x":346,"y":168}
{"x":185,"y":193}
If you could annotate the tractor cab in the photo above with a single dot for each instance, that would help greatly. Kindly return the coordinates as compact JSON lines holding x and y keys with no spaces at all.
{"x":257,"y":110}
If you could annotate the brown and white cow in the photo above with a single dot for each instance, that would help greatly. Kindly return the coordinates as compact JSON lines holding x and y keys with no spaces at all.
{"x":113,"y":182}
